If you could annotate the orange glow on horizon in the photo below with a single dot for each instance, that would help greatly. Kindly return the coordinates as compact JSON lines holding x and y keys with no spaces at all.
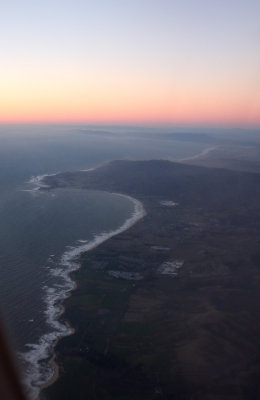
{"x":104,"y":96}
{"x":196,"y":114}
{"x":120,"y":102}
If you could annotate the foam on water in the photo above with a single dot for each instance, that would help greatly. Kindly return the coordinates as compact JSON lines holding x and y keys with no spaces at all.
{"x":38,"y":181}
{"x":38,"y":370}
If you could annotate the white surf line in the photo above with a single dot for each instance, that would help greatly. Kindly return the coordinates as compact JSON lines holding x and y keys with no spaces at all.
{"x":38,"y":180}
{"x":196,"y":156}
{"x":103,"y":164}
{"x":39,"y":371}
{"x":86,"y":170}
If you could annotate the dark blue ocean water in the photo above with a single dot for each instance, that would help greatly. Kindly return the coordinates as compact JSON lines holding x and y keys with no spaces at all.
{"x":41,"y":231}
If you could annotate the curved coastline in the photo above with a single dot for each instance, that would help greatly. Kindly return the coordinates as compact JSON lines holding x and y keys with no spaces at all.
{"x":144,"y":350}
{"x":40,"y":375}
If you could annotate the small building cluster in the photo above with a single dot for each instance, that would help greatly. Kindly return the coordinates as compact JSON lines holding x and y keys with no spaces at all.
{"x":169,"y":203}
{"x":171,"y":267}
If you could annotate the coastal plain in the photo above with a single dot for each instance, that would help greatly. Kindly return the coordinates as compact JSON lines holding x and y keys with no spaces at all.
{"x":188,"y":331}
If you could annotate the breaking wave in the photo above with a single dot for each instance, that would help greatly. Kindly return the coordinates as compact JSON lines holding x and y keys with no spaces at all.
{"x":38,"y":369}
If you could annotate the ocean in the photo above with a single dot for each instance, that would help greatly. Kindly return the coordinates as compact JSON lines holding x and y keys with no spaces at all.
{"x":42,"y":233}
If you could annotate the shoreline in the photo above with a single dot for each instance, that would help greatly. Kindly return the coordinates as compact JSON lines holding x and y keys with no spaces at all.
{"x":52,"y":361}
{"x":159,"y":336}
{"x":198,"y":155}
{"x":71,"y":256}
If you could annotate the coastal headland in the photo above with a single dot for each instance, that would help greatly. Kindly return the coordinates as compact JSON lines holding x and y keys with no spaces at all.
{"x":168,"y":309}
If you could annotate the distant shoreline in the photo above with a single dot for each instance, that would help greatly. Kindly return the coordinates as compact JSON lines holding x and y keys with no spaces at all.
{"x":199,"y":155}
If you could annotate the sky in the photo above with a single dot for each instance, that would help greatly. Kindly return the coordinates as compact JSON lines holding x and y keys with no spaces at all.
{"x":130,"y":61}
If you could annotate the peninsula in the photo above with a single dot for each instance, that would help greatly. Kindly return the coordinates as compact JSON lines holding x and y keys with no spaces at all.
{"x":168,"y":309}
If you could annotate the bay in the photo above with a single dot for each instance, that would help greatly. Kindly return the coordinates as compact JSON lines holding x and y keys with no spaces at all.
{"x":39,"y":228}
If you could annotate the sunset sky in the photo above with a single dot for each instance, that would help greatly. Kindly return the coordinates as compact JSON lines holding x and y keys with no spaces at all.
{"x":130,"y":61}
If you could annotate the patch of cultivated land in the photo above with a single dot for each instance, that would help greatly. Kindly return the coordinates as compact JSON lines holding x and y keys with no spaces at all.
{"x":194,"y":335}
